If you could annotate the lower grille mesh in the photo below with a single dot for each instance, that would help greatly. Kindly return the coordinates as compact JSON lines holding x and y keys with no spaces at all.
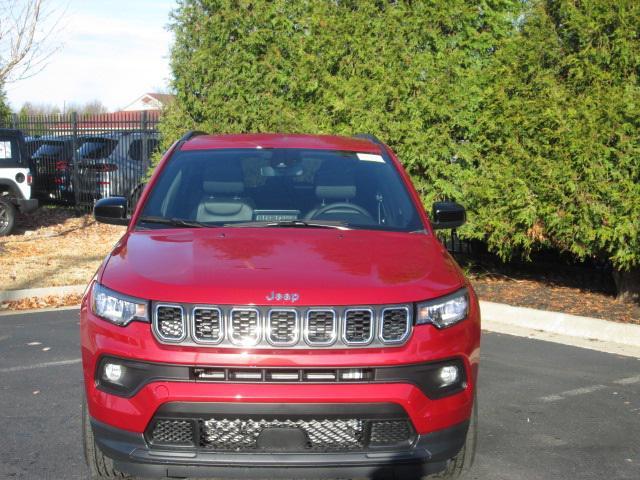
{"x":173,"y":432}
{"x":242,"y":434}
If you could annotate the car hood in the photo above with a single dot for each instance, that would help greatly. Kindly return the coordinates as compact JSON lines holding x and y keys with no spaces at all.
{"x":305,"y":266}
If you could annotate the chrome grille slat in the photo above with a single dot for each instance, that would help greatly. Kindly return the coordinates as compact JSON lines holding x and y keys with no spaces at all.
{"x":244,"y":326}
{"x":394,"y":325}
{"x":286,"y":326}
{"x":208,"y":324}
{"x":358,"y":326}
{"x":282,"y":327}
{"x":320,"y":327}
{"x":170,"y":323}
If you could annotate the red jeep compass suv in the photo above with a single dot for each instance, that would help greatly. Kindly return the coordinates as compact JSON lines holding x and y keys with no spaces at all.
{"x":279,"y":307}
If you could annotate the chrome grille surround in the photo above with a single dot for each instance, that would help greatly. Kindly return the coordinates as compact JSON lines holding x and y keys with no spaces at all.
{"x":358,"y":326}
{"x":163,"y":326}
{"x":394,"y":330}
{"x":211,"y":324}
{"x":316,"y":332}
{"x":245,"y":327}
{"x":283,"y":328}
{"x":317,"y":327}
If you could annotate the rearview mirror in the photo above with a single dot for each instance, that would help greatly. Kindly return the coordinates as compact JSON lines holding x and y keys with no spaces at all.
{"x":448,"y":215}
{"x":112,"y":210}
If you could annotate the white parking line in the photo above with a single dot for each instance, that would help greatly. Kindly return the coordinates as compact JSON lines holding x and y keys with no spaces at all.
{"x":628,"y":380}
{"x":40,"y":365}
{"x":573,"y":393}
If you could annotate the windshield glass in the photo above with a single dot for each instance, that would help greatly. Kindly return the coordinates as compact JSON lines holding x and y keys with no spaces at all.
{"x":292,"y":187}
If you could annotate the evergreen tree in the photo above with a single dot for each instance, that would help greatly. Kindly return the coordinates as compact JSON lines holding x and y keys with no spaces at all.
{"x":526,"y":112}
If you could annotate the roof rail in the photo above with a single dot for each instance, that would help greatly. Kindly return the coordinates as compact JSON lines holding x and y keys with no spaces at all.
{"x":190,"y":134}
{"x":370,"y":137}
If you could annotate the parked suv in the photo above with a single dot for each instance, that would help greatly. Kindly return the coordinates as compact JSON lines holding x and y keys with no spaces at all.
{"x":52,"y":164}
{"x":15,"y":179}
{"x":279,"y":307}
{"x":113,"y":164}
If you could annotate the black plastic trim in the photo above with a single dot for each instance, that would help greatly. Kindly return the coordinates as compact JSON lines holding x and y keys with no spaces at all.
{"x":369,"y":136}
{"x":132,"y":455}
{"x":140,"y":374}
{"x":190,"y":134}
{"x":290,"y":410}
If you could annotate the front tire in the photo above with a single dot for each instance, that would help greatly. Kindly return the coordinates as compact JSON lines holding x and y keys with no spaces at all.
{"x":100,"y":466}
{"x":7,"y":216}
{"x":459,"y":466}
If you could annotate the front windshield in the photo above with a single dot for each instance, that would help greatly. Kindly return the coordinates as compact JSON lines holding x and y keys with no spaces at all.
{"x":274,"y":187}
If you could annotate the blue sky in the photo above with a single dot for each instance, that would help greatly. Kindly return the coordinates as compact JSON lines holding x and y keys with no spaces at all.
{"x":110,"y":50}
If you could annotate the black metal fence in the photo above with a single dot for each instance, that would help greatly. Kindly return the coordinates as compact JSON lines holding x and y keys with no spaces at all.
{"x":78,"y":159}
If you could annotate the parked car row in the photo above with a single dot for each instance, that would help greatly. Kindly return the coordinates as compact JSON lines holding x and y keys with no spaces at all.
{"x":87,"y":167}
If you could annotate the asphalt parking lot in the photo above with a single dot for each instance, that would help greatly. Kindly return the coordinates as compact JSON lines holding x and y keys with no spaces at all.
{"x":547,"y":411}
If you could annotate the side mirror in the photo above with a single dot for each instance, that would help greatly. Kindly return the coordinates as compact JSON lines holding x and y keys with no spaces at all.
{"x":448,"y":215}
{"x":112,"y":210}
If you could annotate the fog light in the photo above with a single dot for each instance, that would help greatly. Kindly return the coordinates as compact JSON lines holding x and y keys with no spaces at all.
{"x":449,"y":375}
{"x":113,"y":372}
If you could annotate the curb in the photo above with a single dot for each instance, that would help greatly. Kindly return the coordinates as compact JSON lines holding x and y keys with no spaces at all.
{"x":558,"y":323}
{"x":14,"y":295}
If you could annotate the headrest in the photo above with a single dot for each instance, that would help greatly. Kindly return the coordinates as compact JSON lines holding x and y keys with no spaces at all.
{"x":223,"y":178}
{"x":335,"y":183}
{"x":213,"y":187}
{"x":337,"y":192}
{"x":226,"y":208}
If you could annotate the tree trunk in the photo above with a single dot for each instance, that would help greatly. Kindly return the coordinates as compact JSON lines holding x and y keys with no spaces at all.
{"x":627,"y":285}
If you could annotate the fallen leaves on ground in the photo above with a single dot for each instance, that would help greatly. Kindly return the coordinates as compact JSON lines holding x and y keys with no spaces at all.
{"x":50,"y":301}
{"x":559,"y":298}
{"x":54,"y":247}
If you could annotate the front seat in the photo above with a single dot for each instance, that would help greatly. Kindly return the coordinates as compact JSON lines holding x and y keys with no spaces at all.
{"x":222,"y":200}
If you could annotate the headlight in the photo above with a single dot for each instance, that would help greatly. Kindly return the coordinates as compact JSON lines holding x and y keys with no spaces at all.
{"x":445,"y":311}
{"x":116,"y":307}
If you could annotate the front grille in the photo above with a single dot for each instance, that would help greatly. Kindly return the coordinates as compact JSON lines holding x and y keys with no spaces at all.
{"x":321,"y":327}
{"x":172,"y":432}
{"x":358,"y":327}
{"x":245,"y":328}
{"x":242,"y":434}
{"x":389,"y":432}
{"x":395,"y":324}
{"x":208,"y":325}
{"x":298,"y":327}
{"x":282,"y":327}
{"x":170,"y":322}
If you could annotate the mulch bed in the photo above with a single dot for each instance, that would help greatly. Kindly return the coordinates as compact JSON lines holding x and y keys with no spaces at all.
{"x":543,"y":296}
{"x":550,"y":281}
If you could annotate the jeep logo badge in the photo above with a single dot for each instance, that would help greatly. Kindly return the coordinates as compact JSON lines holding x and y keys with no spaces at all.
{"x":287,"y":297}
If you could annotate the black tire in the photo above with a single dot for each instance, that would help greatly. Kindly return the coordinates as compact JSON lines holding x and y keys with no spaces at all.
{"x":460,"y":465}
{"x":100,"y":466}
{"x":7,"y":216}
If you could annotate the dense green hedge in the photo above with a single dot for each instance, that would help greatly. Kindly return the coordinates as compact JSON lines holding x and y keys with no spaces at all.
{"x":526,"y":112}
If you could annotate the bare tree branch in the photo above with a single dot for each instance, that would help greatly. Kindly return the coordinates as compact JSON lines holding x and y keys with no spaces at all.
{"x":27,"y":28}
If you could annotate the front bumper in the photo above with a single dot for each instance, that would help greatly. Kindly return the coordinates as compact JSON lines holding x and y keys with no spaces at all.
{"x":132,"y":455}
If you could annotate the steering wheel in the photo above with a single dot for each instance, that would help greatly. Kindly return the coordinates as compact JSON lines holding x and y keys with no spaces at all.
{"x":341,"y":207}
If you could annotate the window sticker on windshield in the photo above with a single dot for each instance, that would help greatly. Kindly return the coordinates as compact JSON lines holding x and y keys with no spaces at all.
{"x":5,"y":150}
{"x":370,"y":157}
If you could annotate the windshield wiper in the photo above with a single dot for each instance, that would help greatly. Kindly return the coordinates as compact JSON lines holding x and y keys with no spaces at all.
{"x":292,"y":224}
{"x":175,"y":222}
